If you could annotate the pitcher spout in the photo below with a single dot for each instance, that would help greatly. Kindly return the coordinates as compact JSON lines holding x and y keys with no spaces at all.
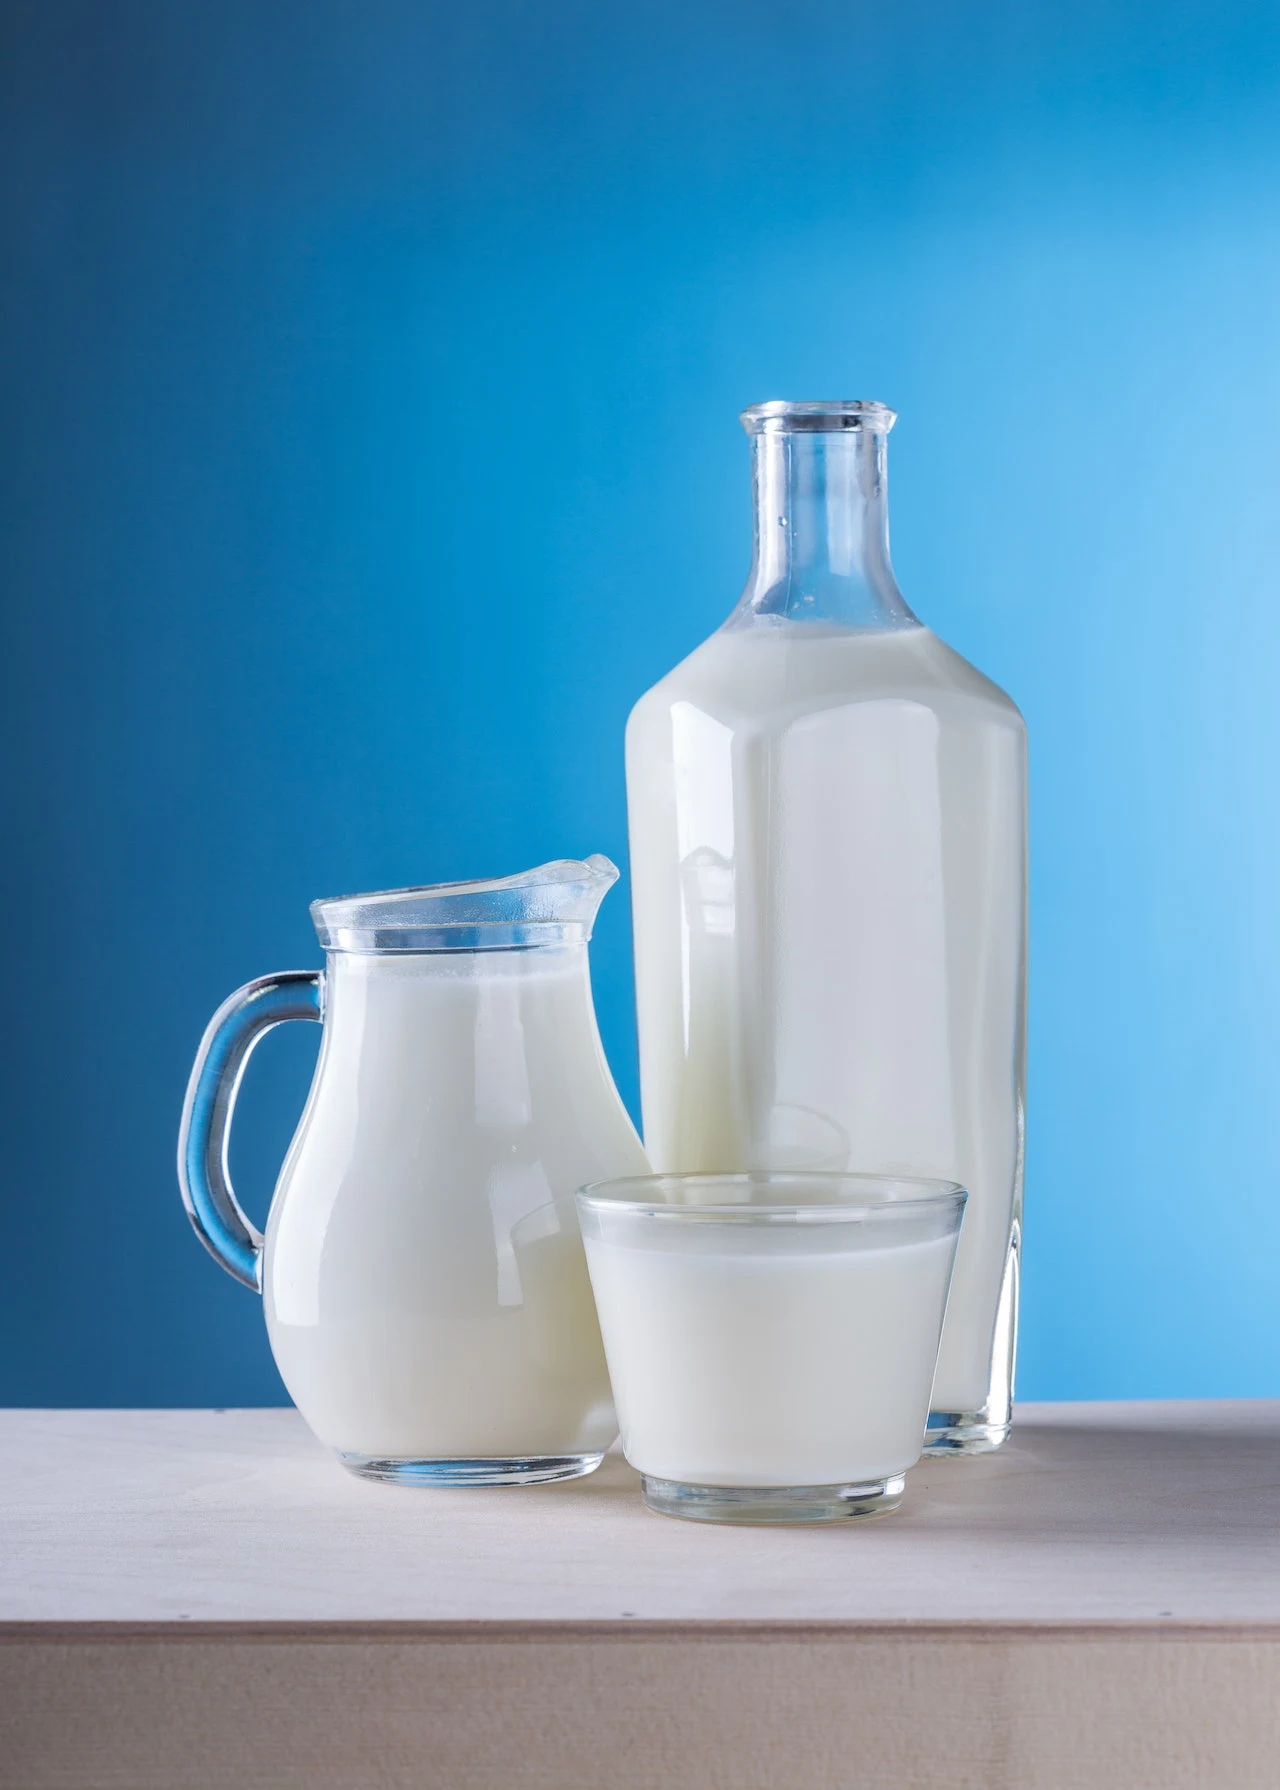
{"x":596,"y":876}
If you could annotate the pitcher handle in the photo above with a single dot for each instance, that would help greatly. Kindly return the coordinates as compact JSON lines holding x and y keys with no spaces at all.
{"x":203,"y":1173}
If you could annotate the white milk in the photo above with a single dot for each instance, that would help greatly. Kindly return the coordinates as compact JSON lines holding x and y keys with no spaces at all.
{"x":827,"y":861}
{"x":761,"y":1356}
{"x":411,"y":1312}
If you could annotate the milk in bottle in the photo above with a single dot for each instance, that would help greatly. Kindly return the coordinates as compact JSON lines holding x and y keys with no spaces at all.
{"x":827,"y":818}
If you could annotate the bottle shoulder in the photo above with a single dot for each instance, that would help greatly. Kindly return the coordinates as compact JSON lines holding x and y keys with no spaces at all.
{"x":955,"y":672}
{"x":740,"y":674}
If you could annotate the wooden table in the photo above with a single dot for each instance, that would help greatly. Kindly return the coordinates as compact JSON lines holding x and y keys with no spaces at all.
{"x":205,"y":1599}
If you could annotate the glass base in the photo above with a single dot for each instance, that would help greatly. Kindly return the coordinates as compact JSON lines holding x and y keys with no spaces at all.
{"x":962,"y":1432}
{"x":526,"y":1469}
{"x":771,"y":1504}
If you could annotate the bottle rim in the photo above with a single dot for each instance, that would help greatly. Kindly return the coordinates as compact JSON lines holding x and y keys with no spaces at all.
{"x":818,"y":416}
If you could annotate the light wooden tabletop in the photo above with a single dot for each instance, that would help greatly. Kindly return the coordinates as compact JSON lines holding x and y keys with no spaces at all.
{"x":191,"y":1599}
{"x":1100,"y":1512}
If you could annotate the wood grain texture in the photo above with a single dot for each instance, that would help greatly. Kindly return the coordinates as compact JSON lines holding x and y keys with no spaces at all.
{"x":998,"y":1710}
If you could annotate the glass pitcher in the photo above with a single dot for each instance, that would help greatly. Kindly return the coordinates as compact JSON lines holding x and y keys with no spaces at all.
{"x":423,"y":1276}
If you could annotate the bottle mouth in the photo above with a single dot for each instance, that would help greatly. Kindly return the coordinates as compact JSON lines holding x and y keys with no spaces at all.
{"x":819,"y":416}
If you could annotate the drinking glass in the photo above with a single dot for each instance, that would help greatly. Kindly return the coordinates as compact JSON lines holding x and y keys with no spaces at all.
{"x":772,"y":1336}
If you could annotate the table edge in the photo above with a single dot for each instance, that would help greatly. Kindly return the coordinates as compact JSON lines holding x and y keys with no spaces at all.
{"x":499,"y":1631}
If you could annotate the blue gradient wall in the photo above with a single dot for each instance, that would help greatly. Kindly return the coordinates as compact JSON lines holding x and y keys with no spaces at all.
{"x":371,"y":375}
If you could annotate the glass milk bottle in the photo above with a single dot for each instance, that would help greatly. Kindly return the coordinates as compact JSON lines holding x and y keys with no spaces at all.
{"x":827,"y":810}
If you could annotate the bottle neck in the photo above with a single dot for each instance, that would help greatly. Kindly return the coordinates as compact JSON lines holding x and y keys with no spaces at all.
{"x":822,"y":530}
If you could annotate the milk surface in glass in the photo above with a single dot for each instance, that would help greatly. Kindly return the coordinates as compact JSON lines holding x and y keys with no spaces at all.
{"x":827,"y":817}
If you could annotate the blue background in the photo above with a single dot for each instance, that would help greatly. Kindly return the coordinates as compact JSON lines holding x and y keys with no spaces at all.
{"x":371,"y":372}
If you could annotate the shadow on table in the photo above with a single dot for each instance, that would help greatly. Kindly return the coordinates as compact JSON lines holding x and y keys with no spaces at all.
{"x":1156,"y":1479}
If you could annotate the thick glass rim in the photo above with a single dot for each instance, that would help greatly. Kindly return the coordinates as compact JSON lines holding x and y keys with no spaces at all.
{"x":817,"y":416}
{"x":552,"y":904}
{"x":865,"y":1196}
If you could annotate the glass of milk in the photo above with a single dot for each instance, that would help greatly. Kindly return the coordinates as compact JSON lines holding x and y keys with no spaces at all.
{"x":771,"y":1337}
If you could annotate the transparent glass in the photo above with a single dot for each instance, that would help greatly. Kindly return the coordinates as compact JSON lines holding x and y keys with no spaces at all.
{"x":771,"y":1337}
{"x":425,"y":1288}
{"x":827,"y":810}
